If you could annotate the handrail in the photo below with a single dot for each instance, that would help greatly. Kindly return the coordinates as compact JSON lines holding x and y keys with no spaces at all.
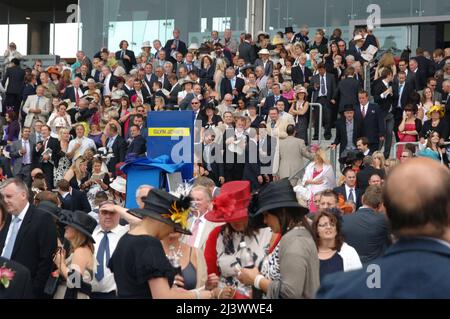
{"x":311,"y":124}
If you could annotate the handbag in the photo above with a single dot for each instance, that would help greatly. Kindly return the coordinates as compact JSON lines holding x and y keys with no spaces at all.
{"x":52,"y":283}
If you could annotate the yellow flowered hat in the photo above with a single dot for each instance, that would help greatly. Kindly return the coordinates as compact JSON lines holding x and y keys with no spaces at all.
{"x":436,"y":108}
{"x":167,"y":209}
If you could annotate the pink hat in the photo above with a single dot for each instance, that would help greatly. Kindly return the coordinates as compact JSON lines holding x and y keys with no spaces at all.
{"x":134,"y":98}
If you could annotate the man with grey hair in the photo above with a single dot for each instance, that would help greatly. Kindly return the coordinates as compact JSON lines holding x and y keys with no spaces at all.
{"x":28,"y":236}
{"x":261,"y":77}
{"x":175,"y":44}
{"x":141,"y":193}
{"x":226,"y":105}
{"x":228,"y":42}
{"x":232,"y":84}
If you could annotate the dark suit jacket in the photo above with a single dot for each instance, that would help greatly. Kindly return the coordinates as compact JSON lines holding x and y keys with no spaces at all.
{"x":373,"y":125}
{"x":34,"y":246}
{"x":181,"y":47}
{"x":128,"y":64}
{"x":357,"y":56}
{"x":216,"y":165}
{"x":247,"y":51}
{"x":407,"y":90}
{"x":331,"y":86}
{"x":112,"y":82}
{"x":166,"y":85}
{"x":341,"y":133}
{"x":119,"y":149}
{"x":411,"y":268}
{"x":363,"y":176}
{"x":76,"y":201}
{"x":138,"y":146}
{"x":84,"y":78}
{"x":270,"y":102}
{"x":15,"y":75}
{"x":298,"y":77}
{"x":145,"y":93}
{"x":385,"y":104}
{"x":69,"y":94}
{"x":20,"y":287}
{"x":173,"y":98}
{"x":252,"y":166}
{"x":153,"y":78}
{"x":341,"y":190}
{"x":347,"y":92}
{"x":55,"y":146}
{"x":226,"y":88}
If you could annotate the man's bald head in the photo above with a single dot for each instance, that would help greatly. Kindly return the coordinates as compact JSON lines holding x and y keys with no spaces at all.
{"x":417,"y":198}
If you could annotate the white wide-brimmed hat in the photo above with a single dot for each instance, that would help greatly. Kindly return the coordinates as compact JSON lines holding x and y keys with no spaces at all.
{"x":146,"y":44}
{"x":264,"y":51}
{"x":119,"y":184}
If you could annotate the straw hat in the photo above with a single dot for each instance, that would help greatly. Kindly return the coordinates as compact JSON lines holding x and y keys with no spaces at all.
{"x":301,"y":89}
{"x":358,"y":37}
{"x":264,"y":51}
{"x":119,"y":184}
{"x":278,"y":40}
{"x":146,"y":44}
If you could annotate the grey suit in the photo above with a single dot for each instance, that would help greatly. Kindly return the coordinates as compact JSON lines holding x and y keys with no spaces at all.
{"x":268,"y":69}
{"x":292,"y":151}
{"x":19,"y":168}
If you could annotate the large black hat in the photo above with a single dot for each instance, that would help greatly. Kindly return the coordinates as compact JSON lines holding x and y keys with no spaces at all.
{"x":275,"y":195}
{"x":50,"y":208}
{"x":349,"y":156}
{"x":167,"y":209}
{"x":288,"y":30}
{"x":79,"y":220}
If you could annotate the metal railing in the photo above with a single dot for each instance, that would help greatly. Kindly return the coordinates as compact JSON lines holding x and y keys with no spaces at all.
{"x":311,"y":123}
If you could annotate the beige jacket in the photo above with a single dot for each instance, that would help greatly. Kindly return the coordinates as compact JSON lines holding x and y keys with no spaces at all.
{"x":291,"y":157}
{"x":299,"y":267}
{"x":44,"y":106}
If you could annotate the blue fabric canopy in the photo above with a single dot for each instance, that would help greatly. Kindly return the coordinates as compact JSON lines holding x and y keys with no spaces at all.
{"x":162,"y":162}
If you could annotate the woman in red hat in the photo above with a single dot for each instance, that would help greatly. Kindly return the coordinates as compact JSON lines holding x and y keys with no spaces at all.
{"x":225,"y":244}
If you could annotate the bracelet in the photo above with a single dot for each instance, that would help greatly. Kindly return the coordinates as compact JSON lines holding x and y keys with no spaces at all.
{"x":258,"y":281}
{"x":197,"y":294}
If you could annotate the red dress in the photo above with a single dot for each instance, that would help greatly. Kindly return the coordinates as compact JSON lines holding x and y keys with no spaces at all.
{"x":406,"y":138}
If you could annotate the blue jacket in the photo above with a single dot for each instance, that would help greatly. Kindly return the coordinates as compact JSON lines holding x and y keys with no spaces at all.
{"x":412,"y":268}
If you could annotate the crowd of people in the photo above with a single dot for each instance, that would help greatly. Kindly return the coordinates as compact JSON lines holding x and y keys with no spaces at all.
{"x":250,"y":226}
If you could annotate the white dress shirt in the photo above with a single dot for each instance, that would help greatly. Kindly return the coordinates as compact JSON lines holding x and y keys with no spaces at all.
{"x":107,"y":284}
{"x":347,"y":192}
{"x":201,"y":228}
{"x":21,"y":217}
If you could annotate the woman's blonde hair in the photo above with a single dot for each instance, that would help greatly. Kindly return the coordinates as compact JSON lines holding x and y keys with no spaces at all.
{"x":322,"y":155}
{"x":386,"y":61}
{"x":61,"y":132}
{"x":76,"y":168}
{"x":81,"y":241}
{"x":380,"y":156}
{"x":287,"y":85}
{"x":221,"y":65}
{"x":160,"y":99}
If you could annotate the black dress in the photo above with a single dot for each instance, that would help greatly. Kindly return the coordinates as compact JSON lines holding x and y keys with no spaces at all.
{"x":332,"y":265}
{"x":136,"y":260}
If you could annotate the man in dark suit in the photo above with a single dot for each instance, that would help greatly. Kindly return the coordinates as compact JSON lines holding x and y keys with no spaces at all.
{"x":301,"y":74}
{"x":149,"y":76}
{"x":357,"y":49}
{"x":176,"y":88}
{"x":247,"y":50}
{"x":118,"y":146}
{"x":234,"y":141}
{"x":175,"y":45}
{"x":48,"y":153}
{"x":252,"y":166}
{"x":416,"y":265}
{"x":372,"y":121}
{"x":126,"y":56}
{"x":109,"y":80}
{"x":163,"y":78}
{"x":72,"y":199}
{"x":272,"y":100}
{"x":402,"y":92}
{"x":348,"y":131}
{"x":426,"y":66}
{"x":212,"y":162}
{"x":141,"y":91}
{"x":420,"y":76}
{"x":74,"y":92}
{"x":20,"y":286}
{"x":138,"y":144}
{"x":348,"y":189}
{"x":14,"y":76}
{"x":324,"y":86}
{"x":231,"y":84}
{"x":84,"y":73}
{"x":347,"y":90}
{"x":384,"y":96}
{"x":28,"y":236}
{"x":403,"y":66}
{"x":363,"y":176}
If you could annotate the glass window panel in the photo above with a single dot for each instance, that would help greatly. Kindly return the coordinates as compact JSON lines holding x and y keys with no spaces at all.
{"x":66,"y":44}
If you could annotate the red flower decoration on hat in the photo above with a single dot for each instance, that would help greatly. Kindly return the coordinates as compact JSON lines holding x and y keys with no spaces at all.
{"x":224,"y":206}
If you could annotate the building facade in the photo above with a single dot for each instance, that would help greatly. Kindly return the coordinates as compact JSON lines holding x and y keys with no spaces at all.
{"x":62,"y":26}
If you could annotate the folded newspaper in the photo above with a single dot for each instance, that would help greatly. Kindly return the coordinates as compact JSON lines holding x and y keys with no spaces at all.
{"x":370,"y":52}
